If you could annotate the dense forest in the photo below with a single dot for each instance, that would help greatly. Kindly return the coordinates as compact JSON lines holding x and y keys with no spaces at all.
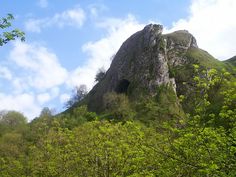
{"x":127,"y":140}
{"x":188,"y":133}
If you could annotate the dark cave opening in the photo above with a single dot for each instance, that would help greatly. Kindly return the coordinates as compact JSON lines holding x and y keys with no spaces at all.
{"x":122,"y":87}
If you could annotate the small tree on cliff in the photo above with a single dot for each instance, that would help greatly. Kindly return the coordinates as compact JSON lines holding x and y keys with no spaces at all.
{"x":77,"y":95}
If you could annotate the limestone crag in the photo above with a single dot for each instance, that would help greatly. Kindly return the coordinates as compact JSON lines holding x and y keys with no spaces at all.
{"x":178,"y":43}
{"x":143,"y":63}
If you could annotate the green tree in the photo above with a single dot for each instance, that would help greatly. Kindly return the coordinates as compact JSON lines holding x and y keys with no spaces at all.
{"x":77,"y":95}
{"x":13,"y":126}
{"x":77,"y":116}
{"x":100,"y":74}
{"x":12,"y":121}
{"x":117,"y":106}
{"x":46,"y":112}
{"x":7,"y":36}
{"x":98,"y":148}
{"x":12,"y":154}
{"x":205,"y":144}
{"x":40,"y":126}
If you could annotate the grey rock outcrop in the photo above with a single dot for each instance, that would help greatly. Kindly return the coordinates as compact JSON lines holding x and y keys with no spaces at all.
{"x":143,"y":62}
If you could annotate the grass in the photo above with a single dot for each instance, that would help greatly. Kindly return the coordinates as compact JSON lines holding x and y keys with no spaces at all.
{"x":181,"y":37}
{"x":204,"y":59}
{"x":231,"y":61}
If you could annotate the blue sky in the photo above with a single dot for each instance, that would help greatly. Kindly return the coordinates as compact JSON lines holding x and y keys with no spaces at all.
{"x":68,"y":41}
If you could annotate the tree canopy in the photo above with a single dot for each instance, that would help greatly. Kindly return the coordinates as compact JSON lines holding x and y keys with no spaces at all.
{"x":118,"y":143}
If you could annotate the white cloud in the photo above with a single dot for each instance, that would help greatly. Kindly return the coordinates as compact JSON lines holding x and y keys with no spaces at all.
{"x":24,"y":103}
{"x":43,"y":98}
{"x":43,"y":3}
{"x":41,"y":67}
{"x":100,"y":52}
{"x":96,"y":9}
{"x":35,"y":25}
{"x":5,"y":73}
{"x":34,"y":78}
{"x":213,"y":24}
{"x":73,"y":17}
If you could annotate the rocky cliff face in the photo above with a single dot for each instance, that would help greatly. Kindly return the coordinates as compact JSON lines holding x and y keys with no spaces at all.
{"x":143,"y":63}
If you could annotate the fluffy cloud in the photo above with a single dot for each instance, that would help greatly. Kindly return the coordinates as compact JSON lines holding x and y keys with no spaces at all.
{"x":100,"y":52}
{"x":213,"y":24}
{"x":41,"y":67}
{"x":72,"y":17}
{"x":96,"y":9}
{"x":34,"y":77}
{"x":5,"y":73}
{"x":24,"y":103}
{"x":43,"y":98}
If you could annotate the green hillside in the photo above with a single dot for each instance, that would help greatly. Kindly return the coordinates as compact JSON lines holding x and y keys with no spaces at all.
{"x":231,"y":61}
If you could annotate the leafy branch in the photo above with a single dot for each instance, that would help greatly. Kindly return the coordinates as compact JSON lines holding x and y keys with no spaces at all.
{"x":7,"y":36}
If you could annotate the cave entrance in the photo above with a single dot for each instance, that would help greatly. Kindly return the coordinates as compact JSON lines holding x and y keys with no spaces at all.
{"x":122,"y":87}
